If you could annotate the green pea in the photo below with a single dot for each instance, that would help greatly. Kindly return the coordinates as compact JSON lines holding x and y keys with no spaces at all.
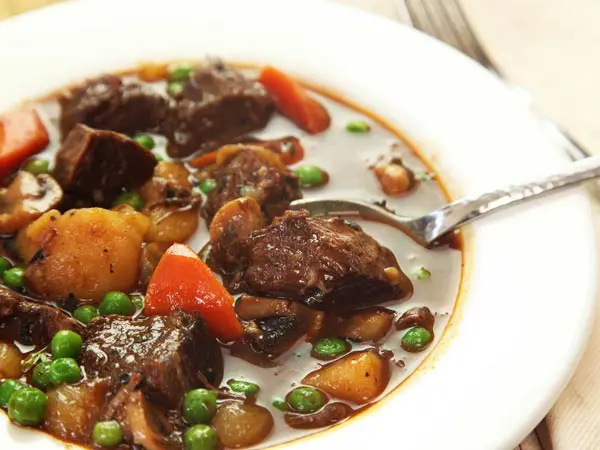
{"x":358,"y":126}
{"x":41,"y":375}
{"x":306,"y":399}
{"x":416,"y":339}
{"x":4,"y":265}
{"x":158,"y":157}
{"x":208,"y":185}
{"x":199,"y":406}
{"x":329,"y":348}
{"x":422,"y":273}
{"x":116,"y":302}
{"x":28,"y":406}
{"x":7,"y":389}
{"x":311,"y":176}
{"x":86,"y":313}
{"x":175,"y":88}
{"x":145,"y":140}
{"x":64,"y":370}
{"x":244,"y":387}
{"x":66,"y":344}
{"x":37,"y":166}
{"x":132,"y":199}
{"x":180,"y":72}
{"x":138,"y":301}
{"x":200,"y":437}
{"x":281,"y":405}
{"x":13,"y":278}
{"x":107,"y":434}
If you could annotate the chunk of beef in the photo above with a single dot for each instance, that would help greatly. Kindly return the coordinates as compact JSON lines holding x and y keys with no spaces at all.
{"x":325,"y":263}
{"x":29,"y":322}
{"x":97,"y":164}
{"x":108,"y":103}
{"x":25,"y":199}
{"x":248,"y":171}
{"x":219,"y":104}
{"x":173,"y":354}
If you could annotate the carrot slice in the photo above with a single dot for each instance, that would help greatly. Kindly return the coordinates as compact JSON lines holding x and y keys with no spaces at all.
{"x":293,"y":101}
{"x":22,"y":135}
{"x":204,"y":160}
{"x":182,"y":281}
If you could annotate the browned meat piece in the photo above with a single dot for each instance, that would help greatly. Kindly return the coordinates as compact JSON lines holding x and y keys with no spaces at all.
{"x":325,"y":263}
{"x":110,"y":104}
{"x":219,"y":104}
{"x":97,"y":164}
{"x":169,"y":352}
{"x":29,"y":322}
{"x":248,"y":171}
{"x":25,"y":199}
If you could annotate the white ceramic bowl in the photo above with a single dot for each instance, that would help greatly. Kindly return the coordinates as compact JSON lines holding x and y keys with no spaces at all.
{"x":527,"y":301}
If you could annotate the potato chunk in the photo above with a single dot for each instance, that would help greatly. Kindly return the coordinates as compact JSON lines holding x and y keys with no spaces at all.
{"x":242,"y":425}
{"x":84,"y":253}
{"x":72,"y":410}
{"x":358,"y":377}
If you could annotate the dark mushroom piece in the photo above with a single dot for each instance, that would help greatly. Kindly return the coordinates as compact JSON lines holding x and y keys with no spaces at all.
{"x":329,"y":415}
{"x":25,"y":199}
{"x":416,"y":317}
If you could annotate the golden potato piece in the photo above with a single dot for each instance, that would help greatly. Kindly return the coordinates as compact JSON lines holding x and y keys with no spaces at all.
{"x":242,"y":425}
{"x":72,"y":410}
{"x":84,"y":253}
{"x":10,"y":361}
{"x":358,"y":377}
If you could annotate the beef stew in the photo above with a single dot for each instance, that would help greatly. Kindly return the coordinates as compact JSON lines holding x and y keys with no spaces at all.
{"x":116,"y":330}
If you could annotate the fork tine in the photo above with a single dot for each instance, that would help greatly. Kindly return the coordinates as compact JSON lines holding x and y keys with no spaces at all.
{"x":419,"y":17}
{"x":457,"y":20}
{"x":445,"y":20}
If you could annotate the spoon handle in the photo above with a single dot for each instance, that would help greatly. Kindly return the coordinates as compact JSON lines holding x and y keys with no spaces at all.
{"x":458,"y":213}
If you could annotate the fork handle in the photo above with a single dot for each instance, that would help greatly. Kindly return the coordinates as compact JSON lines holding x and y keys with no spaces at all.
{"x":453,"y":215}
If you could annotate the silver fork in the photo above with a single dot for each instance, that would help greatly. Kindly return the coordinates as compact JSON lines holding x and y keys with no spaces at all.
{"x":446,"y":21}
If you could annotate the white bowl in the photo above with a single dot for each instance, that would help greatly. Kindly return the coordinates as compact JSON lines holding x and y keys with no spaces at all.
{"x":528,"y":295}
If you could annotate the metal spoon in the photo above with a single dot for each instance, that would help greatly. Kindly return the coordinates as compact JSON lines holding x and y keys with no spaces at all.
{"x":428,"y":229}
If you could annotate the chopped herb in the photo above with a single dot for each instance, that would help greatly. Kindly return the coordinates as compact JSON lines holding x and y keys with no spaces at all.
{"x":422,"y":273}
{"x":33,"y":359}
{"x":175,"y":88}
{"x":358,"y":126}
{"x":280,"y":405}
{"x":424,"y":176}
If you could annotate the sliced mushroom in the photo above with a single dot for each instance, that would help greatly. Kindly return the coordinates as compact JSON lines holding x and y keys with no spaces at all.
{"x":329,"y":415}
{"x":249,"y":307}
{"x":146,"y":425}
{"x":26,"y":199}
{"x":416,"y":317}
{"x":366,"y":325}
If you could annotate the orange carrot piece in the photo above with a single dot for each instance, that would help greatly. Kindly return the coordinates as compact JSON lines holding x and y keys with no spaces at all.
{"x":22,"y":135}
{"x":293,"y":101}
{"x":183,"y":281}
